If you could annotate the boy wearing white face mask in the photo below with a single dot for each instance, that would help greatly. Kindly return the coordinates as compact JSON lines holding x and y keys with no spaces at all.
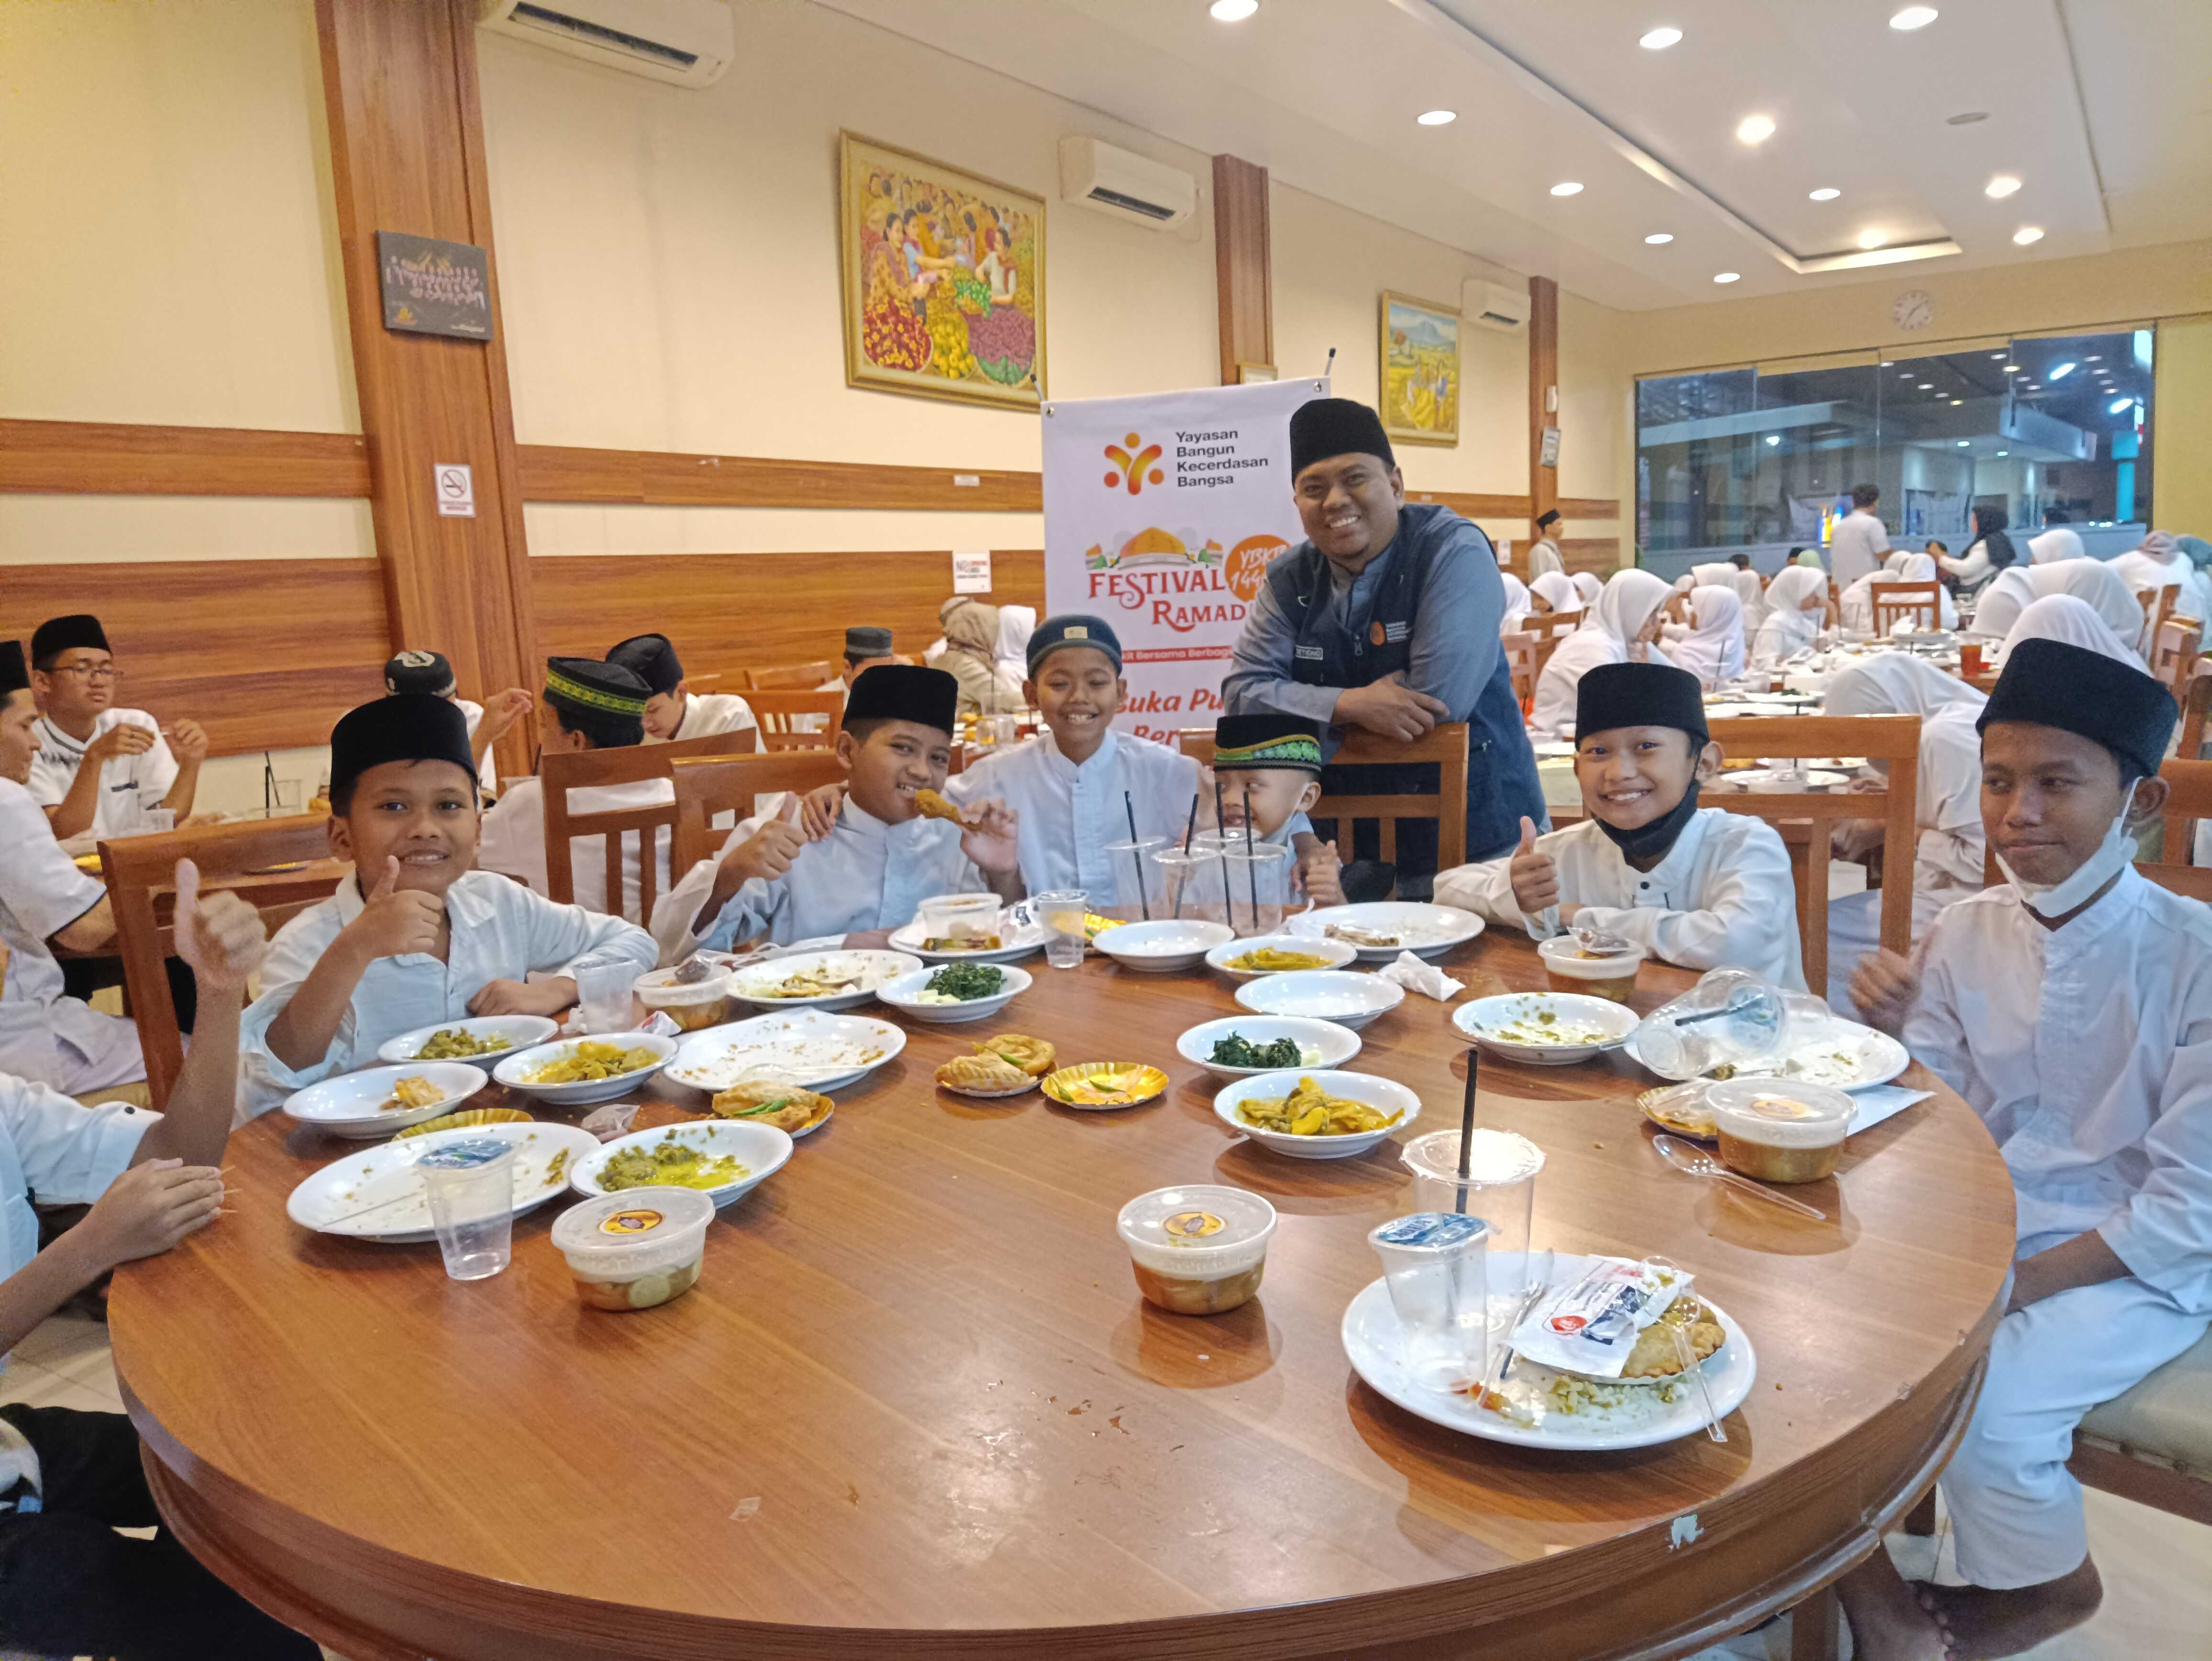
{"x":2072,"y":1007}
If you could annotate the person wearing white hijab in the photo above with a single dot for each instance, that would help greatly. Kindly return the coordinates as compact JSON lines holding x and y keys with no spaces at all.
{"x":1947,"y":854}
{"x":1752,"y":592}
{"x":1713,"y":650}
{"x":1010,"y":658}
{"x":1796,"y":606}
{"x":1552,"y":591}
{"x":1714,"y":574}
{"x":2062,"y":617}
{"x":1619,"y":628}
{"x":1516,"y":604}
{"x":1858,"y":600}
{"x":2059,"y":541}
{"x":2018,"y":586}
{"x":2159,"y":563}
{"x":1590,"y":586}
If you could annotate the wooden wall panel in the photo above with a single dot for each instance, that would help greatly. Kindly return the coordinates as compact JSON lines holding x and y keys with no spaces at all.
{"x":1598,"y":554}
{"x":105,"y":459}
{"x":553,"y":473}
{"x":1242,"y":265}
{"x":733,"y":612}
{"x":1543,"y":377}
{"x":265,"y":653}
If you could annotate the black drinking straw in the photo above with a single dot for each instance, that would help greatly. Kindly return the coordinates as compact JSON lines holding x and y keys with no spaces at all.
{"x":1193,"y":825}
{"x":1228,"y":899}
{"x":1137,"y":856}
{"x":1251,"y":859}
{"x":1466,"y":1134}
{"x":1184,"y":886}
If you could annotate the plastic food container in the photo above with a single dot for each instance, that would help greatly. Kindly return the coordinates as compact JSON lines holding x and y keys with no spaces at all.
{"x":960,"y":922}
{"x":1198,"y":1250}
{"x":636,"y":1250}
{"x":1780,"y":1130}
{"x":691,"y":1007}
{"x":1570,"y":969}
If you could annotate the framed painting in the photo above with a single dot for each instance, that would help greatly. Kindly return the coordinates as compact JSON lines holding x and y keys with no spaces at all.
{"x":943,"y":284}
{"x":1420,"y":370}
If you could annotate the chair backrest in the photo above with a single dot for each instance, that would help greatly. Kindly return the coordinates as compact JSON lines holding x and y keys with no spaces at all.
{"x":1806,"y":818}
{"x":790,"y":677}
{"x":2188,"y":797}
{"x":1520,"y":649}
{"x":281,"y":866}
{"x":708,"y":787}
{"x":798,"y":721}
{"x":1550,"y":628}
{"x":560,"y":772}
{"x":2157,"y":606}
{"x":1893,"y":600}
{"x":2173,"y":652}
{"x":1444,"y":747}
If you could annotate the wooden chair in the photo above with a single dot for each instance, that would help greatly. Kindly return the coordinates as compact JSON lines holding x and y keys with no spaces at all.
{"x":2180,"y":821}
{"x":1520,"y":663}
{"x":583,"y":769}
{"x":1445,"y":747}
{"x":2173,"y":652}
{"x":1806,"y":818}
{"x":281,"y":866}
{"x":790,"y":677}
{"x":1893,"y":600}
{"x":2189,"y":799}
{"x":1550,"y":628}
{"x":708,"y":787}
{"x":797,"y":720}
{"x":2157,"y":606}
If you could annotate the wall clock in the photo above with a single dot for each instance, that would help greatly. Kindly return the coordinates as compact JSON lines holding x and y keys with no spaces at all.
{"x":1912,"y":310}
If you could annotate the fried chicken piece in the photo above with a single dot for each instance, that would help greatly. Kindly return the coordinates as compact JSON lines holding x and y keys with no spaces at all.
{"x":931,"y":805}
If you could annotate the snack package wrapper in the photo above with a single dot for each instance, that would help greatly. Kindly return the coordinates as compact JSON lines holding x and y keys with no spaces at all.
{"x":1415,"y":976}
{"x":613,"y":1120}
{"x":1590,"y":1326}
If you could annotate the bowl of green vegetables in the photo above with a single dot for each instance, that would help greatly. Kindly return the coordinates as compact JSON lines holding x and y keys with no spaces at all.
{"x":1242,"y":1045}
{"x":950,"y":992}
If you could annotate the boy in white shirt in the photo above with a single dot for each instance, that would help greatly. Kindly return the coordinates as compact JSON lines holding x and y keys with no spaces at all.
{"x":431,"y":675}
{"x":589,"y":705}
{"x":69,"y":1584}
{"x":673,"y":710}
{"x":2072,"y":1007}
{"x":1698,"y":886}
{"x":415,"y":935}
{"x":870,"y":874}
{"x":99,"y":769}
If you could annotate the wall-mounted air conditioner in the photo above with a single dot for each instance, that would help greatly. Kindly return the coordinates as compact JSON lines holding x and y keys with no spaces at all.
{"x":689,"y":42}
{"x":1126,"y":185}
{"x":1493,"y":305}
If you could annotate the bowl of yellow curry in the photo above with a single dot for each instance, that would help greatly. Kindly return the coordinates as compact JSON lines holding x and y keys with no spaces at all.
{"x":1278,"y":954}
{"x":578,"y":1070}
{"x":1317,"y":1115}
{"x":722,"y":1158}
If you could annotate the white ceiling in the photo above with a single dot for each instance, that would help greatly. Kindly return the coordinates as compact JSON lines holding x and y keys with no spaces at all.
{"x":2102,"y":108}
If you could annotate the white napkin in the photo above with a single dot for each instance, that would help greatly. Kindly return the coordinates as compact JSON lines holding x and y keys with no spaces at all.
{"x":1415,"y":976}
{"x":1882,"y":1101}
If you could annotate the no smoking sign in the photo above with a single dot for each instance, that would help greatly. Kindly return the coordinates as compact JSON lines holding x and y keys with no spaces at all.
{"x":455,"y":486}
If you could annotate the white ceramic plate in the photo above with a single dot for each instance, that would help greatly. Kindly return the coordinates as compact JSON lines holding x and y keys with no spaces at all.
{"x":1375,"y":1343}
{"x":350,"y":1104}
{"x":378,"y":1195}
{"x":1162,"y":945}
{"x":1019,"y":934}
{"x":761,"y":1149}
{"x":1484,"y":1020}
{"x":1336,"y":1044}
{"x":1336,"y":952}
{"x":814,"y":1048}
{"x":1342,"y":996}
{"x":1426,"y":931}
{"x":521,"y":1031}
{"x":515,"y":1072}
{"x":869,"y":970}
{"x":904,"y":995}
{"x":1387,"y":1094}
{"x":1844,"y":1055}
{"x":1560,"y":749}
{"x":1768,"y":779}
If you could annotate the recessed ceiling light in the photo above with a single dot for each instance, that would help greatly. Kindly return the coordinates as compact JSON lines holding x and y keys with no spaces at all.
{"x":1754,"y":129}
{"x":1825,"y":193}
{"x":2117,"y":404}
{"x":2027,"y":233}
{"x":2004,"y":452}
{"x":1962,"y":443}
{"x":2062,"y":371}
{"x":1956,"y":402}
{"x":1923,"y":385}
{"x":1233,"y":11}
{"x":1774,"y":438}
{"x":2001,"y":187}
{"x":1913,"y":17}
{"x":1905,"y":375}
{"x":1659,"y":39}
{"x":2012,"y":369}
{"x":1886,"y":362}
{"x":1727,"y":276}
{"x":1658,"y":237}
{"x":1996,"y":357}
{"x":1566,"y":187}
{"x":1966,"y":118}
{"x":1437,"y":118}
{"x":2094,"y":357}
{"x":1873,"y":239}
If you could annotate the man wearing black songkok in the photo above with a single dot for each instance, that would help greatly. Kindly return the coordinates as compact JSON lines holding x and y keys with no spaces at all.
{"x":101,"y":768}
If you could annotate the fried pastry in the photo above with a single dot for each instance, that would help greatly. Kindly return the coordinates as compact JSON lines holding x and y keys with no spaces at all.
{"x":1033,"y":1055}
{"x":984,"y":1075}
{"x":786,"y":1106}
{"x":1655,"y":1355}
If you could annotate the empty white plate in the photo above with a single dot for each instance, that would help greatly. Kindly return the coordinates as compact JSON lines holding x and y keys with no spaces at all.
{"x":1341,"y":995}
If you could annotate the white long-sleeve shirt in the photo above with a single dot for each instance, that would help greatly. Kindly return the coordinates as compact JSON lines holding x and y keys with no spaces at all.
{"x":706,"y":714}
{"x":2087,"y":1050}
{"x":56,"y":1150}
{"x":1722,"y":897}
{"x":501,"y":931}
{"x":1070,"y":814}
{"x":42,"y":892}
{"x":129,"y":786}
{"x":513,"y":841}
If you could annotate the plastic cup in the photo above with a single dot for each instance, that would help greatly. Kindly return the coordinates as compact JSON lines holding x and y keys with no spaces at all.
{"x":1063,"y":912}
{"x":157,"y":821}
{"x":959,"y":922}
{"x":1198,"y":1250}
{"x":691,"y":1005}
{"x":1500,"y":1188}
{"x":1258,"y":868}
{"x":1189,"y":885}
{"x":1567,"y":970}
{"x":1435,"y":1264}
{"x":603,"y":990}
{"x":639,"y":1248}
{"x":471,"y":1186}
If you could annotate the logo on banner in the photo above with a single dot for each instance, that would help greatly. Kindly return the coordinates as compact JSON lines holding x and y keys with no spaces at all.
{"x":1132,"y":460}
{"x":1247,"y":565}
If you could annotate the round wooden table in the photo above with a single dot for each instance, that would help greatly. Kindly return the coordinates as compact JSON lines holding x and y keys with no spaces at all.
{"x":916,"y":1408}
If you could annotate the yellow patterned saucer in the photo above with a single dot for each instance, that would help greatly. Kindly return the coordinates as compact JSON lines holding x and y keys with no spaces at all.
{"x":1126,"y":1084}
{"x":466,"y":1116}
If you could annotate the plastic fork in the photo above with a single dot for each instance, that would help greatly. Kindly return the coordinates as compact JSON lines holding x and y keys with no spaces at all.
{"x":1693,"y":1163}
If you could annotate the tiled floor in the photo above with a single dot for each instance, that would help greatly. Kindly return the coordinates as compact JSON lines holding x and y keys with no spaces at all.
{"x":2157,"y":1569}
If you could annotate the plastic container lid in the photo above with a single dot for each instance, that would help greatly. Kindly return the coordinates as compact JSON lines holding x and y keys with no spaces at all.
{"x":1199,"y":1233}
{"x":661,"y":988}
{"x":635,"y":1232}
{"x":1781,"y":1112}
{"x":1494,"y":1157}
{"x":1562,"y":955}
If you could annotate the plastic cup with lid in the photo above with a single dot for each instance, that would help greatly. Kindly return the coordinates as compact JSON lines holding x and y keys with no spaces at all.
{"x":1500,"y":1188}
{"x":1435,"y":1266}
{"x":1780,"y":1130}
{"x":1570,"y":968}
{"x":471,"y":1188}
{"x":637,"y":1249}
{"x":1197,"y":1249}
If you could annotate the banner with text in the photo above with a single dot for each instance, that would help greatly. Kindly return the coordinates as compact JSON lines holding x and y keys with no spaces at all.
{"x":1161,"y":514}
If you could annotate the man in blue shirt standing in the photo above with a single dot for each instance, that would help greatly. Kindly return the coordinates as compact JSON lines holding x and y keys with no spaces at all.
{"x":1386,"y":618}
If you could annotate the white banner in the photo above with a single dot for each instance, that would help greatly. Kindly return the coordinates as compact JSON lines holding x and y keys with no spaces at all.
{"x":1161,"y":514}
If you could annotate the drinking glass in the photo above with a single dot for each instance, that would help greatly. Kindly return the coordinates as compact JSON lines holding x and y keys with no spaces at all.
{"x":1061,"y":912}
{"x":1500,"y":1188}
{"x":471,"y":1185}
{"x":1435,"y":1265}
{"x":1190,"y":883}
{"x":604,"y":991}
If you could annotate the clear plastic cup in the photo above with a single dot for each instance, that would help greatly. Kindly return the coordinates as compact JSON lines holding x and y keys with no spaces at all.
{"x":692,"y":1005}
{"x":1189,"y":884}
{"x":1198,"y":1250}
{"x":471,"y":1185}
{"x":1435,"y":1264}
{"x":1259,"y":879}
{"x":1500,"y":1188}
{"x":959,"y":922}
{"x":1063,"y":912}
{"x":1136,"y":880}
{"x":1568,"y":967}
{"x":603,"y":992}
{"x":638,"y":1249}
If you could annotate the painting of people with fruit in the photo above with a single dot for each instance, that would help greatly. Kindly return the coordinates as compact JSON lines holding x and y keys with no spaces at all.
{"x":943,"y":279}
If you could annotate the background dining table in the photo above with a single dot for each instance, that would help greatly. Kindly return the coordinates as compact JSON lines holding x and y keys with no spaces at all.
{"x":916,"y":1408}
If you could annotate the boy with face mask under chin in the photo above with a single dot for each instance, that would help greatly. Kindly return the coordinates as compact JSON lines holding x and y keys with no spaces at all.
{"x":1698,"y":886}
{"x":2071,"y":1006}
